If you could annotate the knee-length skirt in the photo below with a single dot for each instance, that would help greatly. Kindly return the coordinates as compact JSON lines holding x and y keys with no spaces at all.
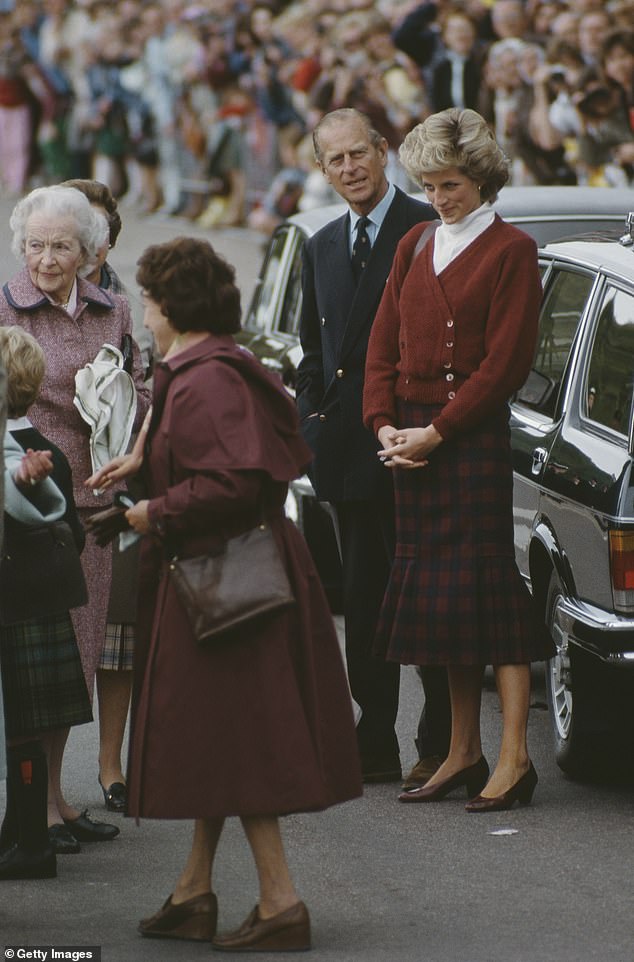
{"x":455,"y":595}
{"x":42,"y":677}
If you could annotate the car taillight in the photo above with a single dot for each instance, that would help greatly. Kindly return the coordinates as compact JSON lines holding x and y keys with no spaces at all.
{"x":622,"y":566}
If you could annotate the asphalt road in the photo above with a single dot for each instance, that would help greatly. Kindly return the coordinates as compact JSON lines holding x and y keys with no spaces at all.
{"x":421,"y":883}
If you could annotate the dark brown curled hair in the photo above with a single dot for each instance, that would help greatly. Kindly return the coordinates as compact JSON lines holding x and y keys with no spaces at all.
{"x":98,"y":193}
{"x":194,"y":287}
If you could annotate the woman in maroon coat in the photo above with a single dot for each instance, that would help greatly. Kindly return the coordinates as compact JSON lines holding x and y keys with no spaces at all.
{"x":453,"y":338}
{"x":259,"y":726}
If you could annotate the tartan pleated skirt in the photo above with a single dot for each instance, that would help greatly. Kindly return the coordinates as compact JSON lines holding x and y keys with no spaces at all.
{"x":455,"y":595}
{"x":42,"y":677}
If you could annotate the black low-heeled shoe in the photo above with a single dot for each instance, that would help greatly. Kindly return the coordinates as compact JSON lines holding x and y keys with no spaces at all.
{"x":521,"y":792}
{"x":62,"y":840}
{"x":473,"y":778}
{"x":86,"y":829}
{"x":114,"y":796}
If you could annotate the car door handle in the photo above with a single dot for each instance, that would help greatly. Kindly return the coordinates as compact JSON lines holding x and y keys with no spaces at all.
{"x":539,"y":460}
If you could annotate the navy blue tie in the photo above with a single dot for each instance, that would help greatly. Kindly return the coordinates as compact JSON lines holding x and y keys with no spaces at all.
{"x":361,"y":248}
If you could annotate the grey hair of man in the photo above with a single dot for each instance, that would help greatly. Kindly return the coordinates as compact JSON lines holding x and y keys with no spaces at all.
{"x":456,"y":138}
{"x":342,"y":116}
{"x":62,"y":202}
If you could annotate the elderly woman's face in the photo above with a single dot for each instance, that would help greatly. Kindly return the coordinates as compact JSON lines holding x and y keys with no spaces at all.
{"x":452,"y":194}
{"x":53,"y":254}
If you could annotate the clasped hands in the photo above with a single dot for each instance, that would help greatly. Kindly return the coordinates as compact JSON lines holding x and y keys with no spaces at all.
{"x":407,"y":447}
{"x":34,"y":467}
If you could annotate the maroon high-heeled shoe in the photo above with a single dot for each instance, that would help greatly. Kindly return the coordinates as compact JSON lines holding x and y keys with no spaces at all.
{"x":521,"y":792}
{"x":474,"y":777}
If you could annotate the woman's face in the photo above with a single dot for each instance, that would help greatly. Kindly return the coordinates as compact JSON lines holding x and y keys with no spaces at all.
{"x":619,"y":65}
{"x":53,"y":254}
{"x":157,"y":323}
{"x":452,"y":194}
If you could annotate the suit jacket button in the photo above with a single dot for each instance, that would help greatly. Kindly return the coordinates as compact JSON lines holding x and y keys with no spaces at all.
{"x":322,"y":417}
{"x":323,"y":321}
{"x":339,"y":372}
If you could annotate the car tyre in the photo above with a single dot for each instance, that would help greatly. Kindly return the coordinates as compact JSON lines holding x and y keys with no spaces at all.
{"x":574,"y":689}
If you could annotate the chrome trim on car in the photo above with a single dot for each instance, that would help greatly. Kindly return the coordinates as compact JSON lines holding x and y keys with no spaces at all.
{"x":575,"y":618}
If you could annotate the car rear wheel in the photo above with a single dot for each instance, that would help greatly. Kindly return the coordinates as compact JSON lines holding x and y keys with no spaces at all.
{"x":574,"y":690}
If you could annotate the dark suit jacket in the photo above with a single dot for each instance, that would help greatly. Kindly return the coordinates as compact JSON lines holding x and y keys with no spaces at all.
{"x":334,"y":330}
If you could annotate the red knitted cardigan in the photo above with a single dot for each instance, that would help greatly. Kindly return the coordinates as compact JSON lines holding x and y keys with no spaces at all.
{"x":464,"y":339}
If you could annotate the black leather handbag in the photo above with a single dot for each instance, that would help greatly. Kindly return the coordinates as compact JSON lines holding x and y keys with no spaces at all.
{"x":40,"y":571}
{"x":244,"y":581}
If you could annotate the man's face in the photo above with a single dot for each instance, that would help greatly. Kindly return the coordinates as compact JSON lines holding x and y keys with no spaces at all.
{"x":352,"y":165}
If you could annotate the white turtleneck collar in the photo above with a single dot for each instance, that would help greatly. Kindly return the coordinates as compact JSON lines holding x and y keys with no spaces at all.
{"x":451,"y":239}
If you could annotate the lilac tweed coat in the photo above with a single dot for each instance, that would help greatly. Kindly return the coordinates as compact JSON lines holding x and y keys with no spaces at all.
{"x":69,"y":343}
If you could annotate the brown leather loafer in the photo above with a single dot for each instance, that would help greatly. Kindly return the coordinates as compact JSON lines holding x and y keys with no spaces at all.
{"x":194,"y":919}
{"x":422,"y":772}
{"x":288,"y":931}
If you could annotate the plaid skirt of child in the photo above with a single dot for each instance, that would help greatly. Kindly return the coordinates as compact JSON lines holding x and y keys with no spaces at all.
{"x":42,"y":678}
{"x":455,"y":595}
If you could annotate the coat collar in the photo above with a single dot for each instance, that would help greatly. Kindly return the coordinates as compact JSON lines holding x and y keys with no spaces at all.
{"x":214,"y":344}
{"x":22,"y":294}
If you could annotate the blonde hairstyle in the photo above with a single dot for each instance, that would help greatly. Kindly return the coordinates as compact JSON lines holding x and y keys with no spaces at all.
{"x":456,"y":138}
{"x":24,"y":362}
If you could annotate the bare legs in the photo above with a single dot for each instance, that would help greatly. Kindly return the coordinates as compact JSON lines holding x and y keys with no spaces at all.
{"x":465,"y":688}
{"x":195,"y":879}
{"x":58,"y":808}
{"x":277,"y":892}
{"x":113,"y":693}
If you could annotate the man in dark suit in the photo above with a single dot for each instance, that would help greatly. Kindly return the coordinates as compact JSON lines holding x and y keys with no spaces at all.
{"x":345,"y":268}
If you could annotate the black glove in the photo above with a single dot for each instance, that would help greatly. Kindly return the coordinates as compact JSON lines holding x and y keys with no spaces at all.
{"x":107,"y":524}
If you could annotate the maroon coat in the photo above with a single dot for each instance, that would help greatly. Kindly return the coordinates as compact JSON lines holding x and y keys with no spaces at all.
{"x":261,"y":724}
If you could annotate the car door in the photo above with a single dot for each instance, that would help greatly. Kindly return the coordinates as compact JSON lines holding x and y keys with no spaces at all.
{"x":272,"y":321}
{"x":585,"y":483}
{"x":538,"y":408}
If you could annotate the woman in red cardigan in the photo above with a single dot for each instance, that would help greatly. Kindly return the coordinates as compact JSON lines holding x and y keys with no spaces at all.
{"x":453,"y":338}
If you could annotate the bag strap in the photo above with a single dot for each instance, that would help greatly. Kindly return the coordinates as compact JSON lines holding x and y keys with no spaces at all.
{"x":424,"y":238}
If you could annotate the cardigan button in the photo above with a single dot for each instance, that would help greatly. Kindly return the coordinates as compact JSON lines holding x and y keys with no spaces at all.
{"x":451,"y":395}
{"x":450,"y":323}
{"x":322,"y":417}
{"x":447,"y":364}
{"x":449,"y":343}
{"x":449,"y":377}
{"x":323,"y":321}
{"x":339,"y":372}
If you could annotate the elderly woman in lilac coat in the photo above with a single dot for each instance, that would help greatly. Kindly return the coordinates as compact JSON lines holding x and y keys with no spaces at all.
{"x":57,"y":234}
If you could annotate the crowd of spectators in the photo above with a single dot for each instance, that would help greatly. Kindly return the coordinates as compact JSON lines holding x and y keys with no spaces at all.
{"x":205,"y":108}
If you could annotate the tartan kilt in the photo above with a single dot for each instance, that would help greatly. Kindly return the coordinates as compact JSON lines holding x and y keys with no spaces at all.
{"x":42,"y":677}
{"x":455,"y":595}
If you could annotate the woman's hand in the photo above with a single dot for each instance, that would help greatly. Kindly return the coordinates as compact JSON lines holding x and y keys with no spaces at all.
{"x":113,"y":471}
{"x":34,"y":467}
{"x":407,"y":447}
{"x":138,"y":517}
{"x":124,"y":465}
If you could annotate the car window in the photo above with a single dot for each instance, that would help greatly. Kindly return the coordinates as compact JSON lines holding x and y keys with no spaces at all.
{"x":262,"y":303}
{"x":607,"y":397}
{"x":291,"y":308}
{"x":563,"y":305}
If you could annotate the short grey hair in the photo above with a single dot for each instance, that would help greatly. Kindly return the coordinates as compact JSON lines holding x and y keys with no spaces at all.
{"x":456,"y":138}
{"x":92,"y":227}
{"x":345,"y":115}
